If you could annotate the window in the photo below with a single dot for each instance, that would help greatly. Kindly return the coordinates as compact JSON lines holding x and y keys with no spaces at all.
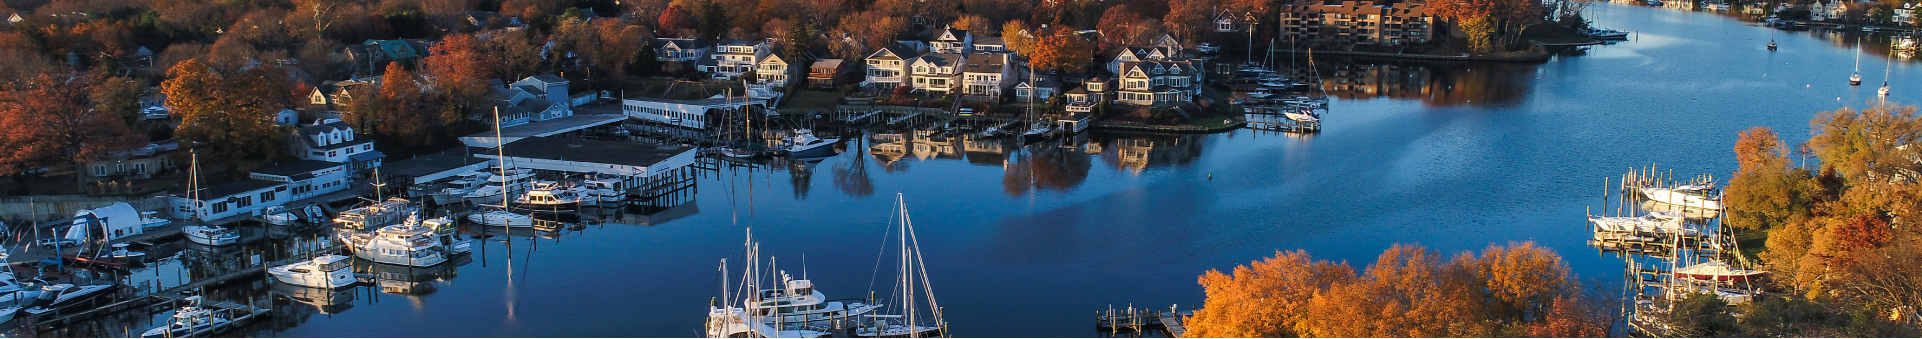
{"x":99,"y":170}
{"x":140,"y":168}
{"x":244,"y":202}
{"x":367,"y":147}
{"x":266,"y":196}
{"x":220,"y":207}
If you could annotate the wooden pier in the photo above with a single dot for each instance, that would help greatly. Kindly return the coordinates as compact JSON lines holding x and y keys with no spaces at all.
{"x":1138,"y":321}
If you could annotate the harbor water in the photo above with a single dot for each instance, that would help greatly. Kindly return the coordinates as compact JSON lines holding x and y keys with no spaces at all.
{"x":1031,"y":241}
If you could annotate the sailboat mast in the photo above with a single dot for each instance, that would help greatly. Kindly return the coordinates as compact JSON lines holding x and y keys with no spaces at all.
{"x":907,"y":287}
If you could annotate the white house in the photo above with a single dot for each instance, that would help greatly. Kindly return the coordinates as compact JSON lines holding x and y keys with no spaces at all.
{"x":950,"y":40}
{"x":1036,"y":89}
{"x":524,"y":101}
{"x":987,"y":74}
{"x":1904,"y":15}
{"x":735,"y":57}
{"x":680,"y":50}
{"x":774,"y":71}
{"x":334,"y":141}
{"x":937,"y":72}
{"x":888,"y":67}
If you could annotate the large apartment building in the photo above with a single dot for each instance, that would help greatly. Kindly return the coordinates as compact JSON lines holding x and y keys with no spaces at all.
{"x":1358,"y":22}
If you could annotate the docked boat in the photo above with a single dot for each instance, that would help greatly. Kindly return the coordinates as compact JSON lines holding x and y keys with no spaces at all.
{"x":605,"y":190}
{"x":1653,"y":223}
{"x":1697,"y":196}
{"x":806,"y":145}
{"x":151,"y":220}
{"x":1038,"y":129}
{"x":192,"y":321}
{"x":210,"y":235}
{"x":457,"y":189}
{"x":411,"y":243}
{"x":1611,"y":34}
{"x":326,"y":300}
{"x":794,"y":309}
{"x":120,"y":251}
{"x":327,"y":271}
{"x":549,"y":197}
{"x":1717,"y":271}
{"x":513,"y":182}
{"x":377,"y":214}
{"x":501,"y":218}
{"x":278,"y":215}
{"x":1302,"y":115}
{"x":913,"y":289}
{"x":58,"y":296}
{"x":1207,"y":48}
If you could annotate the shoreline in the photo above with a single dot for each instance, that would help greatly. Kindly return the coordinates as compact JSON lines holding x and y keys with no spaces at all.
{"x":1527,"y":56}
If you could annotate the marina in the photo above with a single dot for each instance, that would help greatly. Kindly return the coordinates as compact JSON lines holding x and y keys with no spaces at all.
{"x":1451,"y":156}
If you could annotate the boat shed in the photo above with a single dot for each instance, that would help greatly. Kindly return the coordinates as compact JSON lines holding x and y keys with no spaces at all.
{"x":436,"y":166}
{"x":581,"y":120}
{"x":626,"y":159}
{"x":114,"y":221}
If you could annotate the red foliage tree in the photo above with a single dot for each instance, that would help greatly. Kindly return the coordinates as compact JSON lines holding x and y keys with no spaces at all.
{"x":461,"y":69}
{"x":49,"y":120}
{"x":676,"y":21}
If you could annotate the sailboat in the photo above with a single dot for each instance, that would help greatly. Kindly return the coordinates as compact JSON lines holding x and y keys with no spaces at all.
{"x":911,"y":284}
{"x":501,"y":216}
{"x":794,"y":311}
{"x":1884,"y":91}
{"x":1037,"y":128}
{"x":1855,"y":78}
{"x":205,"y":235}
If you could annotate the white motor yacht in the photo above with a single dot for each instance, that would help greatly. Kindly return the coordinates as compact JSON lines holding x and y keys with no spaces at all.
{"x":120,"y":251}
{"x":57,"y":296}
{"x":191,"y":321}
{"x":514,"y":182}
{"x":412,"y":243}
{"x":807,"y":145}
{"x":549,"y":197}
{"x":1695,"y":196}
{"x":376,"y":215}
{"x":1302,"y":115}
{"x":605,"y":190}
{"x":327,"y":271}
{"x":210,"y":235}
{"x":457,"y":189}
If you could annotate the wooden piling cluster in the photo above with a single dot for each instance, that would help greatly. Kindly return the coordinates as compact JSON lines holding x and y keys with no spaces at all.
{"x":1135,"y":322}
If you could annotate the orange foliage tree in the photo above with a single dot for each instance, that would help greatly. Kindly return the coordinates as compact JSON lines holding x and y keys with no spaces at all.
{"x":49,"y":120}
{"x":1058,"y":48}
{"x":1408,"y":292}
{"x":230,"y":110}
{"x":461,"y":69}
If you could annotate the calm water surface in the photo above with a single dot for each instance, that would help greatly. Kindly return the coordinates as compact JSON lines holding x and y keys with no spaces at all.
{"x":1031,"y":243}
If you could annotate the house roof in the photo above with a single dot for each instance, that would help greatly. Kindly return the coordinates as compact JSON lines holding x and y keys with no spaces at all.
{"x":303,"y":167}
{"x":237,"y":187}
{"x":956,"y":34}
{"x":328,"y":127}
{"x":549,"y":78}
{"x":899,"y":52}
{"x":826,"y":63}
{"x":395,"y":49}
{"x":681,"y":43}
{"x":986,"y":63}
{"x":989,"y":41}
{"x":942,"y":59}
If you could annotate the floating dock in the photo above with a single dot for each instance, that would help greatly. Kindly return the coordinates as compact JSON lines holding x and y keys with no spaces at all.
{"x":1137,"y":321}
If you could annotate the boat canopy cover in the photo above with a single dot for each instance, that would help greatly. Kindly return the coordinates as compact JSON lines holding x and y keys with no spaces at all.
{"x":115,"y":221}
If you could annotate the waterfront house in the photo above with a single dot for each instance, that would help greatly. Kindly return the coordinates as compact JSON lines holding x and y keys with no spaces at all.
{"x":829,"y":73}
{"x":1039,"y":88}
{"x":937,"y":72}
{"x":1226,"y":21}
{"x":1158,"y":81}
{"x":736,"y":57}
{"x":888,"y":67}
{"x":334,"y":141}
{"x":1903,"y":15}
{"x":138,"y":163}
{"x":336,"y":96}
{"x":485,"y":21}
{"x":371,"y":56}
{"x":774,"y":70}
{"x":950,"y":40}
{"x":986,"y":74}
{"x":679,"y":54}
{"x":1079,"y":100}
{"x":524,"y":101}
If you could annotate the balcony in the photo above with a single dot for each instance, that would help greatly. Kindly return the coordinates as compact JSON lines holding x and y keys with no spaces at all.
{"x":1081,"y":107}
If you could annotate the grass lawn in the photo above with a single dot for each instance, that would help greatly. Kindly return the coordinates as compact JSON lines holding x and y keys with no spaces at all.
{"x":811,"y":101}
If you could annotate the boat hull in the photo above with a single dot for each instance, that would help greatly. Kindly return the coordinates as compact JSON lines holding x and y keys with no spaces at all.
{"x":330,"y":280}
{"x":826,"y":148}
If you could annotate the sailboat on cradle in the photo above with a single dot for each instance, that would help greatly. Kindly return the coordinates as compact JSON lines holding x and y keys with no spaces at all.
{"x":911,"y":285}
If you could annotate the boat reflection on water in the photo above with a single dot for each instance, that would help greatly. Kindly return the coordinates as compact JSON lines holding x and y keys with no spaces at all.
{"x":327,"y":301}
{"x":412,"y":281}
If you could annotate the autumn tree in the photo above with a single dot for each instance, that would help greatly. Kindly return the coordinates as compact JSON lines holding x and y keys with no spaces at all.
{"x":677,"y":22}
{"x":461,"y":70}
{"x":1490,"y":25}
{"x":1015,"y":33}
{"x":230,"y":111}
{"x":1188,"y":19}
{"x":519,"y":55}
{"x":1059,"y":48}
{"x":1121,"y":26}
{"x":1766,"y":190}
{"x":973,"y":22}
{"x":116,"y":95}
{"x":1264,"y":299}
{"x":50,"y":120}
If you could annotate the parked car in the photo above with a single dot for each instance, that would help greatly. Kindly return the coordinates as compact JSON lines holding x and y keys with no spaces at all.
{"x":50,"y":243}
